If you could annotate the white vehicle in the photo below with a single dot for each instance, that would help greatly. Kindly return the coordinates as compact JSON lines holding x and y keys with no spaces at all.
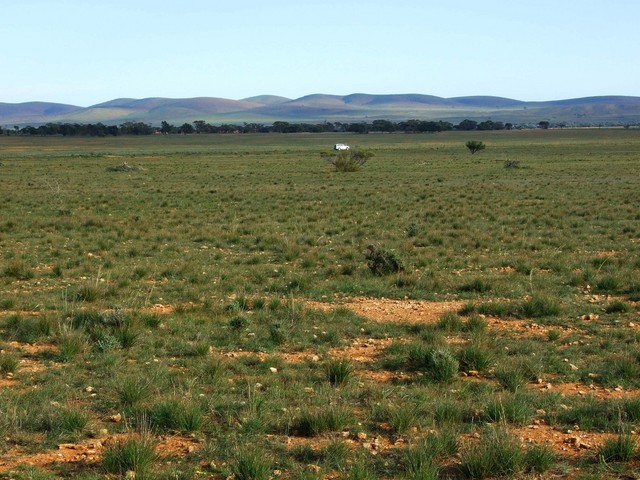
{"x":340,"y":146}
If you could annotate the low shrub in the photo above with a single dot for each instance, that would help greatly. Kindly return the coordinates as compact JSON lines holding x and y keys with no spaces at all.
{"x":419,"y":463}
{"x":238,"y":322}
{"x":608,"y":284}
{"x":86,"y":293}
{"x":497,"y":454}
{"x":515,"y":409}
{"x":400,"y":418}
{"x":71,"y":344}
{"x":335,"y":453}
{"x":511,"y":379}
{"x":618,"y":369}
{"x":18,"y":270}
{"x":175,"y":415}
{"x":448,"y":412}
{"x":437,"y":363}
{"x":617,"y":306}
{"x":440,"y":445}
{"x":8,"y":363}
{"x":133,"y":390}
{"x":339,"y":371}
{"x":538,"y":306}
{"x":382,"y":262}
{"x":475,"y":146}
{"x":56,"y":421}
{"x":124,"y":167}
{"x":348,"y":160}
{"x":450,"y":322}
{"x":330,"y":419}
{"x":250,"y":465}
{"x":619,"y":449}
{"x":475,"y":357}
{"x":475,"y":286}
{"x":134,"y":454}
{"x":475,"y":324}
{"x":511,"y":164}
{"x":539,"y":458}
{"x":27,"y":329}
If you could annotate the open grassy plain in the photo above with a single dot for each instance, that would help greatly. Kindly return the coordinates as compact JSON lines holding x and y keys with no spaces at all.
{"x":212,"y":314}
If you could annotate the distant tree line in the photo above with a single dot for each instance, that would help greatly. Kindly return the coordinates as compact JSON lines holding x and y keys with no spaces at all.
{"x":200,"y":127}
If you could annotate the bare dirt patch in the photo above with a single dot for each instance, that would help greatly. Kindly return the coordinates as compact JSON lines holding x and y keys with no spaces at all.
{"x":30,"y":360}
{"x":161,"y":309}
{"x":567,"y":443}
{"x":90,"y":452}
{"x":391,"y":310}
{"x":590,"y":390}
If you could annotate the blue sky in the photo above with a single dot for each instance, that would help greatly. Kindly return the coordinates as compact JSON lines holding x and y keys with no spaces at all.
{"x":84,"y":52}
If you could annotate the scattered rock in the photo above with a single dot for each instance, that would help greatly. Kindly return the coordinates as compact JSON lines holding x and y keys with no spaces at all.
{"x":577,"y":442}
{"x":68,"y":446}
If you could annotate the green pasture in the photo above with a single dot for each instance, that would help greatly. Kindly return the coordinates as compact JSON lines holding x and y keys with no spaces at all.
{"x":235,"y":232}
{"x":263,"y":214}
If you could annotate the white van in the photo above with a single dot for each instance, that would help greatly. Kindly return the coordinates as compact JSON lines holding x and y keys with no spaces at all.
{"x":340,"y":146}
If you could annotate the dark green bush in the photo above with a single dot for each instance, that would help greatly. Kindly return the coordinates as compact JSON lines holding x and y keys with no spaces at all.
{"x":348,"y":160}
{"x":382,"y":262}
{"x":475,"y":146}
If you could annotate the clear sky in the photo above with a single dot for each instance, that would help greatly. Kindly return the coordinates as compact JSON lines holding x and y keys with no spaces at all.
{"x":84,"y":52}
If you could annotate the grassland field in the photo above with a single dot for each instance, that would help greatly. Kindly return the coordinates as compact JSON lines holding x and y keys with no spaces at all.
{"x":191,"y":318}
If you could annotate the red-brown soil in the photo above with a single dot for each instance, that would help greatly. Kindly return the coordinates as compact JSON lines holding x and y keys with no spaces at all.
{"x":363,"y":352}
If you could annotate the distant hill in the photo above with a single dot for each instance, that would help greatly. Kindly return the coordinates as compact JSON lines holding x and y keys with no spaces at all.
{"x":609,"y":110}
{"x":267,"y":99}
{"x":20,"y":113}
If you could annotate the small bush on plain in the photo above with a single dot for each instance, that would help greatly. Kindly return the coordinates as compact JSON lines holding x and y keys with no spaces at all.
{"x":348,"y":160}
{"x":475,"y":146}
{"x":382,"y":262}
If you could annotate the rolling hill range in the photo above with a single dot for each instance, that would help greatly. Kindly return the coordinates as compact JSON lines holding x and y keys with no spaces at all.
{"x":608,"y":110}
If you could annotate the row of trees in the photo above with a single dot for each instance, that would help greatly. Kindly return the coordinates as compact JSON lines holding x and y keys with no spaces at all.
{"x":200,"y":126}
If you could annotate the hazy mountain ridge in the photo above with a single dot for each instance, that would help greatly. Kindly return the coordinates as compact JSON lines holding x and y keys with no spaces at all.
{"x":324,"y":107}
{"x":33,"y":110}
